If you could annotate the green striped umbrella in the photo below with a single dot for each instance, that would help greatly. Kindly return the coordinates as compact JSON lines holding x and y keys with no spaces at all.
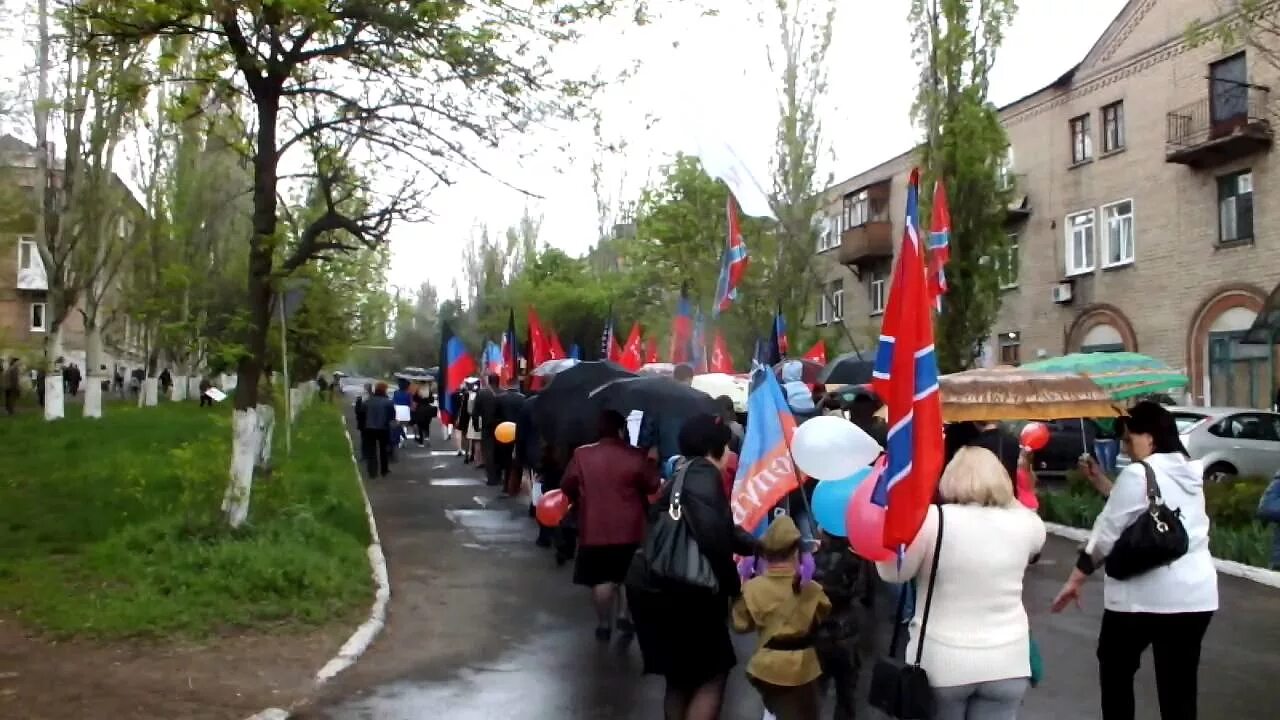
{"x":1123,"y":375}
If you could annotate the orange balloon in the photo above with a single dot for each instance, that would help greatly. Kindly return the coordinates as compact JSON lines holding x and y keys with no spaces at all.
{"x":505,"y":433}
{"x":552,"y":508}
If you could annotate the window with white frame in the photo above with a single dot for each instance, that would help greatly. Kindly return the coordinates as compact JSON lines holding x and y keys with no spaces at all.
{"x":28,"y":255}
{"x":820,"y":311}
{"x":1118,"y":218}
{"x":878,"y":290}
{"x":1009,"y":260}
{"x":829,"y":237}
{"x":1004,"y":170}
{"x":39,"y":323}
{"x":856,"y":209}
{"x":837,"y":300}
{"x":1079,"y":253}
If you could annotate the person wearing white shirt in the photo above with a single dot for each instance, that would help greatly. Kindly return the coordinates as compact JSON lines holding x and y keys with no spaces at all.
{"x":1167,"y":608}
{"x":977,"y":642}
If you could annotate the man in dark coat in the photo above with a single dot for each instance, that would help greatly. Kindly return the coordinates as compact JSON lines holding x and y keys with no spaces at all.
{"x":380,"y":413}
{"x":841,"y":638}
{"x":486,"y":411}
{"x":508,"y":406}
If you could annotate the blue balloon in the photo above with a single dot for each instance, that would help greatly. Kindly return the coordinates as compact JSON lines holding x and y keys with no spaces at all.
{"x":831,"y":499}
{"x":669,"y":467}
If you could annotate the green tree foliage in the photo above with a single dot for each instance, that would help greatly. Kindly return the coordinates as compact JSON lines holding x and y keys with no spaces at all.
{"x":1252,"y":22}
{"x":955,"y":44}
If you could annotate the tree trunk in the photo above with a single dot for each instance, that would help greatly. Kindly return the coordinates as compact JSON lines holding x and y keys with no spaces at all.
{"x":150,"y":392}
{"x":93,"y":377}
{"x":54,"y":400}
{"x":246,"y":438}
{"x":193,"y":387}
{"x":248,"y":443}
{"x":178,"y":392}
{"x":267,"y":426}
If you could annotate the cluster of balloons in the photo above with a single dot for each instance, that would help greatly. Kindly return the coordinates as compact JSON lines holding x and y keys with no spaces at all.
{"x":839,"y":454}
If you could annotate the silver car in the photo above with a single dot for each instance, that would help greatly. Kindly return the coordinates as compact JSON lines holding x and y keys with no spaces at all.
{"x":1229,"y":441}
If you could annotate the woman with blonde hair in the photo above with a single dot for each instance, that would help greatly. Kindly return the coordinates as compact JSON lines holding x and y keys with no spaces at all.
{"x":970,"y":557}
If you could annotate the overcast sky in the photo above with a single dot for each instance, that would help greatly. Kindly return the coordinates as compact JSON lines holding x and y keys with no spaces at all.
{"x":701,"y":75}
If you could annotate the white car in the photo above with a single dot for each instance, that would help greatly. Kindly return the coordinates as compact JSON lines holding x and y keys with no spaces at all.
{"x":1229,"y":441}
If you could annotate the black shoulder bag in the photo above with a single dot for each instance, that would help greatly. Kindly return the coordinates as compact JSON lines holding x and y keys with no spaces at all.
{"x":898,"y":689}
{"x":670,"y":550}
{"x":1156,"y":538}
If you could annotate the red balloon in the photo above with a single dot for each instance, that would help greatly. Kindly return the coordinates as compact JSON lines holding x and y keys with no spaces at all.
{"x":1035,"y":436}
{"x":552,"y":508}
{"x":864,"y":521}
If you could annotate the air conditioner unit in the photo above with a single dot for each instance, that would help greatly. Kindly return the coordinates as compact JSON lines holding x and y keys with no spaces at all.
{"x":1061,"y":293}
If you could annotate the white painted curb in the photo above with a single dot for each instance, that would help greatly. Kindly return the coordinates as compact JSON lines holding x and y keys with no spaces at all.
{"x":1262,"y":576}
{"x":362,"y":638}
{"x":364,"y":635}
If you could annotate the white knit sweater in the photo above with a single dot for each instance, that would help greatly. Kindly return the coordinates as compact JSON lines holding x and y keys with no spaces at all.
{"x":978,"y":629}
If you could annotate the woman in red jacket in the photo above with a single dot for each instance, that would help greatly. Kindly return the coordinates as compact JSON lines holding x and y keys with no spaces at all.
{"x":609,"y":482}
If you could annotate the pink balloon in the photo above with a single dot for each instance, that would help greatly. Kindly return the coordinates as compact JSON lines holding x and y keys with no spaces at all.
{"x":864,"y":521}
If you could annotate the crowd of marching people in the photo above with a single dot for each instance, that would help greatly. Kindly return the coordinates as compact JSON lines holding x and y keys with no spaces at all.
{"x":962,"y":646}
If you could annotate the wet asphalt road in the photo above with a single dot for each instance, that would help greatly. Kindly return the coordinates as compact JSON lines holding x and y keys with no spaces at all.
{"x":483,"y":626}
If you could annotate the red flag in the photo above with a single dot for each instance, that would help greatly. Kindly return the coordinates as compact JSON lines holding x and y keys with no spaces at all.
{"x":539,"y":348}
{"x":906,"y":377}
{"x":721,"y":361}
{"x":632,"y":356}
{"x":555,"y":348}
{"x":818,"y":353}
{"x":939,"y":245}
{"x":651,"y":354}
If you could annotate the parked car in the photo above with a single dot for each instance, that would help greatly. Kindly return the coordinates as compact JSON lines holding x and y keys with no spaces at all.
{"x":1068,"y":440}
{"x":1229,"y":441}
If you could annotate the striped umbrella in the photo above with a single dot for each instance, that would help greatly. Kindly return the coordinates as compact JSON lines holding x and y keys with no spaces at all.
{"x":1123,"y":375}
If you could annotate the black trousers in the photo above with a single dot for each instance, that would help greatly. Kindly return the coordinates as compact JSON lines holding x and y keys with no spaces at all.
{"x":497,"y":457}
{"x":1175,"y":648}
{"x":840,"y":666}
{"x":10,"y":400}
{"x":205,"y":400}
{"x":377,"y":451}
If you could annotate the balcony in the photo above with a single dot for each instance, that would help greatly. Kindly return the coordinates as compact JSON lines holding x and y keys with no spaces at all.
{"x":1230,"y":124}
{"x":870,"y":241}
{"x":1019,"y":207}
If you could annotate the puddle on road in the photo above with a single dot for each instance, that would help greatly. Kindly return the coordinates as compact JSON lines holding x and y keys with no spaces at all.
{"x":456,"y":482}
{"x":491,"y":526}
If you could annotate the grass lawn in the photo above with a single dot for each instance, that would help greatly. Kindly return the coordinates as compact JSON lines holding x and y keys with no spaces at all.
{"x":111,"y":528}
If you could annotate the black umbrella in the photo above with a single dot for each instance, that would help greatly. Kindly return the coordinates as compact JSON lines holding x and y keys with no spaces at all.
{"x":666,"y":404}
{"x":848,"y":369}
{"x":566,"y":414}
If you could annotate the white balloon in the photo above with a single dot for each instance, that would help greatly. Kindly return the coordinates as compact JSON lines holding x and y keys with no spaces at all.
{"x":832,"y":448}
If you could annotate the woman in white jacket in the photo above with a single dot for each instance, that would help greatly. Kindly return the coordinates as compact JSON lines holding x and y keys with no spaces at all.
{"x":977,"y":641}
{"x":1168,"y":608}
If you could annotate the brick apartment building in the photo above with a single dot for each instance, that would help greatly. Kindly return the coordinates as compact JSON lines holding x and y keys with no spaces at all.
{"x":1146,"y":214}
{"x":23,"y":282}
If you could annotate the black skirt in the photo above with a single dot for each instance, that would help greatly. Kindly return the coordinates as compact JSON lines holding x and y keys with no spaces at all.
{"x":603,"y":564}
{"x":683,"y":635}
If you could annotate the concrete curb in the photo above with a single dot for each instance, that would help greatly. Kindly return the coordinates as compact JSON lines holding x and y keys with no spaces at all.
{"x":1262,"y":576}
{"x":363,"y":637}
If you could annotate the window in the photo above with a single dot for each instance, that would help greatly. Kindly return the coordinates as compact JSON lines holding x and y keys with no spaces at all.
{"x":1080,"y":243}
{"x":820,"y":312}
{"x":1248,"y":426}
{"x":855,"y":209}
{"x":1081,"y":140}
{"x":1113,"y":127}
{"x":37,"y":317}
{"x":1235,"y":207}
{"x":1119,"y":221}
{"x":1007,"y":265}
{"x":1238,"y":371}
{"x":28,"y":256}
{"x":1010,"y":348}
{"x":828,"y":237}
{"x":837,"y":300}
{"x":1229,"y":92}
{"x":1004,"y":170}
{"x":878,"y":289}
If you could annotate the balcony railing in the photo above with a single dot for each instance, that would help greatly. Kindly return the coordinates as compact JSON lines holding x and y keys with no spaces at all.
{"x":1231,"y":123}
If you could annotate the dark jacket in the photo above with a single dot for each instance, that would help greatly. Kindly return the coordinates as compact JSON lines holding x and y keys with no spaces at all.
{"x":849,"y":582}
{"x":706,"y":508}
{"x":361,"y":412}
{"x":528,"y":441}
{"x":379,"y":413}
{"x":486,"y":411}
{"x":462,"y":418}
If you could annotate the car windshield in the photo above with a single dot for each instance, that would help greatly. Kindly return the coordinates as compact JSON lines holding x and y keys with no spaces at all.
{"x":1186,"y":421}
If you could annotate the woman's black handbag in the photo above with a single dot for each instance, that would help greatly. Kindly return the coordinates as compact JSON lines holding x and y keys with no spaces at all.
{"x":898,"y":689}
{"x":1156,"y":538}
{"x":671,"y":552}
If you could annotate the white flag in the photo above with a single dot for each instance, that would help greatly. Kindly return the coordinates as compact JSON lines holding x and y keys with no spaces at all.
{"x":720,"y":161}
